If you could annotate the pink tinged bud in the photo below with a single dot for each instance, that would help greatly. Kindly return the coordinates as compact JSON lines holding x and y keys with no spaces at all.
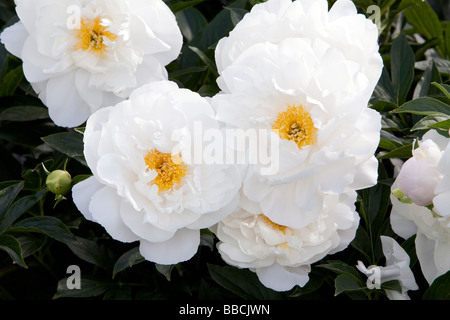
{"x":419,"y":175}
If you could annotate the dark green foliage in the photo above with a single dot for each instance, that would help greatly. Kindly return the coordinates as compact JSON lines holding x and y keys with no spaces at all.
{"x":39,"y":240}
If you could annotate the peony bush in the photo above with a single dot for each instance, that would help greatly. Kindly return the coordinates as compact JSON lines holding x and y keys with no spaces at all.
{"x":279,"y":149}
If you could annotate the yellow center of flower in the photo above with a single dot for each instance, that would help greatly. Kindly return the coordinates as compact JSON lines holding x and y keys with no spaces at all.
{"x":91,"y":36}
{"x":170,"y":168}
{"x":295,"y":124}
{"x":273,"y":225}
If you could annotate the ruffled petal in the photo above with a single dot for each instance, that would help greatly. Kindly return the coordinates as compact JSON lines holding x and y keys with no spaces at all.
{"x":281,"y":278}
{"x":105,"y":209}
{"x":181,"y":247}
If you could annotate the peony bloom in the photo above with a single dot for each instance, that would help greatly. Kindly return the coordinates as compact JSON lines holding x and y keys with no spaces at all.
{"x":310,"y":85}
{"x":419,"y":175}
{"x":432,"y":227}
{"x":143,"y":188}
{"x":339,"y":30}
{"x":82,"y":55}
{"x":280,"y":255}
{"x":397,"y":268}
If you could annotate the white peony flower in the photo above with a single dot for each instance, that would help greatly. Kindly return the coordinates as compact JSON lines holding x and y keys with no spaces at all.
{"x":141,"y":190}
{"x":281,"y":256}
{"x":308,"y":92}
{"x":340,"y":29}
{"x":397,"y":268}
{"x":419,"y":175}
{"x":81,"y":55}
{"x":432,"y":227}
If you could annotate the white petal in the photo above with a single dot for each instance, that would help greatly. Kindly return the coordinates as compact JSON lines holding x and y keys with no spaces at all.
{"x":92,"y":96}
{"x":28,"y":13}
{"x":442,"y":256}
{"x":136,"y":221}
{"x":282,"y":207}
{"x":14,"y":38}
{"x":112,"y":169}
{"x":82,"y":194}
{"x":105,"y":209}
{"x":402,"y":226}
{"x":66,"y":107}
{"x":442,"y":203}
{"x":425,"y":249}
{"x":366,"y":174}
{"x":342,"y":8}
{"x":206,"y":220}
{"x":281,"y":278}
{"x":181,"y":247}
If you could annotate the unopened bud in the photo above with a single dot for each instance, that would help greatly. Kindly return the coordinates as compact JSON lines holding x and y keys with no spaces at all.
{"x":59,"y":182}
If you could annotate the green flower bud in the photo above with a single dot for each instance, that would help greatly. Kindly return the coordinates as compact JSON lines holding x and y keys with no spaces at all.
{"x":59,"y":182}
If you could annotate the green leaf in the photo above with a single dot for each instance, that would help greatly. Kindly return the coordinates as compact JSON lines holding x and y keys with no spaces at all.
{"x":384,"y":91}
{"x":80,"y":177}
{"x":445,"y":88}
{"x":186,"y":72}
{"x":92,"y":252}
{"x":439,"y":289}
{"x":430,"y":75}
{"x":442,"y":65}
{"x":404,"y":152}
{"x":393,"y":285}
{"x":10,"y":82}
{"x":18,"y":208}
{"x":242,"y":282}
{"x":424,"y":106}
{"x":388,"y":144}
{"x":184,"y":5}
{"x":50,"y":226}
{"x":191,"y":22}
{"x":402,"y":68}
{"x":441,"y":125}
{"x":30,"y":243}
{"x":127,"y":260}
{"x":236,"y":14}
{"x":426,"y":21}
{"x":24,"y":113}
{"x":10,"y":244}
{"x":432,"y":121}
{"x":447,"y":40}
{"x":316,"y":279}
{"x":216,"y":29}
{"x":90,"y":287}
{"x":68,"y":143}
{"x":340,"y":267}
{"x":165,"y":270}
{"x":362,"y":243}
{"x":410,"y":247}
{"x":208,"y":62}
{"x":8,"y":194}
{"x":346,"y":283}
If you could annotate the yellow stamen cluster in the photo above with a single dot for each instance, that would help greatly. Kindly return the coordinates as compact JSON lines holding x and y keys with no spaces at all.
{"x":273,"y":225}
{"x":91,"y":36}
{"x":295,"y":124}
{"x":170,"y":168}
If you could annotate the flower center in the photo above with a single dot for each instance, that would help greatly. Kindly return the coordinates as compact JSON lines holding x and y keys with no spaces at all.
{"x":91,"y":36}
{"x":273,"y":225}
{"x":295,"y":124}
{"x":170,"y":168}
